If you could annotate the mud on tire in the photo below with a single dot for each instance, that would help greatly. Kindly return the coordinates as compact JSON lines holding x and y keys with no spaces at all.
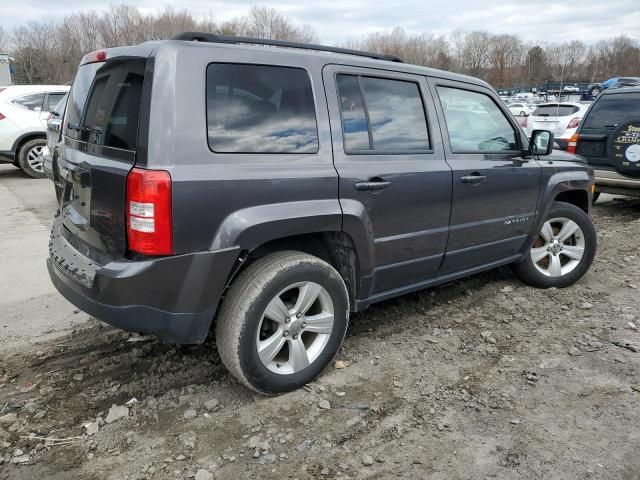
{"x":270,"y":311}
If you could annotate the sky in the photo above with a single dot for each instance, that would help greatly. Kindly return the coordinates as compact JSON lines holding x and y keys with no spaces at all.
{"x":336,"y":21}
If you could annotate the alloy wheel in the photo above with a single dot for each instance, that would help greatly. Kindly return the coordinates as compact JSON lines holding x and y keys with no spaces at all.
{"x":295,"y":328}
{"x":559,"y":247}
{"x":35,"y":159}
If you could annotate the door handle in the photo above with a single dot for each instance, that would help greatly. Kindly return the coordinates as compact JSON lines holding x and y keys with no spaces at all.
{"x":474,"y":178}
{"x":372,"y":185}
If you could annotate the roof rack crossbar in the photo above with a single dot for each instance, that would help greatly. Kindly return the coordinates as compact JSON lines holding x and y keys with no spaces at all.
{"x":215,"y":38}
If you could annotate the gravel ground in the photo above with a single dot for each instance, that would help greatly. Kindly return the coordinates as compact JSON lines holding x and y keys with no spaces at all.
{"x":482,"y":378}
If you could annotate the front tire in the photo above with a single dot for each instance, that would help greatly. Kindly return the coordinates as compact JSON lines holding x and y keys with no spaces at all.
{"x":563,"y":251}
{"x":30,"y":158}
{"x":282,"y":322}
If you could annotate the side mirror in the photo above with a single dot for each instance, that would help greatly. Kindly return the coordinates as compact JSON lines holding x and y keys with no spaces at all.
{"x":541,"y":142}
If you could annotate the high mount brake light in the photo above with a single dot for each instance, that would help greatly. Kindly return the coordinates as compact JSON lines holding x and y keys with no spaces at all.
{"x":93,"y":57}
{"x":149,"y":217}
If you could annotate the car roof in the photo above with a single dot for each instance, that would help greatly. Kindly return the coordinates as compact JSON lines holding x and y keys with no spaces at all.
{"x":16,"y":90}
{"x":554,"y":104}
{"x":621,"y":90}
{"x":150,"y":48}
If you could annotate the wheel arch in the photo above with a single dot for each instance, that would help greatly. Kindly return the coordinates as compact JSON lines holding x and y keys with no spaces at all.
{"x":24,"y":138}
{"x":572,"y":186}
{"x":337,"y":232}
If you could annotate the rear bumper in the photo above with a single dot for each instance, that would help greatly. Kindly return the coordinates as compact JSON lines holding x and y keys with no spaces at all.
{"x":610,"y":181}
{"x":7,"y":156}
{"x":174,"y":298}
{"x":47,"y":163}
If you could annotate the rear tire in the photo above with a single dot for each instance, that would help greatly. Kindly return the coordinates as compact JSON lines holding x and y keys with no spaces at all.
{"x":263,"y":341}
{"x":564,"y":249}
{"x":30,"y":158}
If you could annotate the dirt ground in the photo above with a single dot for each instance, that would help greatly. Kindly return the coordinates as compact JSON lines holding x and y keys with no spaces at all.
{"x":480,"y":379}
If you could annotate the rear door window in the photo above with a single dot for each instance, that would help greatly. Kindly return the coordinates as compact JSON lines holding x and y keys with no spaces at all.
{"x":382,"y":114}
{"x":555,"y":110}
{"x":53,"y":99}
{"x":611,"y":110}
{"x":104,"y":104}
{"x":32,"y":102}
{"x":260,"y":109}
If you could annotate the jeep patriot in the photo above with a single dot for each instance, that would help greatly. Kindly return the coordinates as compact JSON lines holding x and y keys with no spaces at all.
{"x":264,"y":190}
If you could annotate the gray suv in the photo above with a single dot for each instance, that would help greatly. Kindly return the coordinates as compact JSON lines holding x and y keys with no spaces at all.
{"x":270,"y":189}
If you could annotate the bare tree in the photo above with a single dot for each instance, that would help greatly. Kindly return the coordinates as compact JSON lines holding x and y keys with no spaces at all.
{"x":49,"y":52}
{"x":4,"y":41}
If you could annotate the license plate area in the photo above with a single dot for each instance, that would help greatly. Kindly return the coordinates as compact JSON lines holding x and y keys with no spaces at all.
{"x":76,"y":196}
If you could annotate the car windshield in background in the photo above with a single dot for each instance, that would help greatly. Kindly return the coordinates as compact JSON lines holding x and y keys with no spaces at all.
{"x":104,"y":104}
{"x":555,"y":110}
{"x":611,"y":110}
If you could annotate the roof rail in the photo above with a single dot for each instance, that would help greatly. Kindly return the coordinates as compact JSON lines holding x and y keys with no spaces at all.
{"x":215,"y":38}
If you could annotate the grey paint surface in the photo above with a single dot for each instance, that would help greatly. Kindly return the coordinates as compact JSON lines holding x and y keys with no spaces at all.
{"x":425,"y":228}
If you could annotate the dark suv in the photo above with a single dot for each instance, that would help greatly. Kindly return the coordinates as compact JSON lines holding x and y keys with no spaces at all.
{"x":609,"y":139}
{"x":274,"y":189}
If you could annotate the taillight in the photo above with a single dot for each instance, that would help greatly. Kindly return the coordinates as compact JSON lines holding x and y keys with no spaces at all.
{"x":2,"y":117}
{"x":93,"y":57}
{"x":149,"y":222}
{"x":572,"y":146}
{"x":574,"y":122}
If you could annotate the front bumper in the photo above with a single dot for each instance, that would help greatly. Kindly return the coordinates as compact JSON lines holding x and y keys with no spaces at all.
{"x":7,"y":156}
{"x":174,"y":297}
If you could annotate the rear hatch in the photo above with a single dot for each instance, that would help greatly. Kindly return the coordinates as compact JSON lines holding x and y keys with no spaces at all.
{"x":604,"y":116}
{"x":553,"y":117}
{"x":100,"y":139}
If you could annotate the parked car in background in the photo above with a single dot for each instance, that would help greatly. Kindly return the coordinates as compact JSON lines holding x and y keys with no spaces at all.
{"x":616,"y":82}
{"x":520,"y":109}
{"x":53,"y":134}
{"x":213,"y":191}
{"x":609,"y":138}
{"x":24,"y":110}
{"x":571,"y":88}
{"x":562,"y":119}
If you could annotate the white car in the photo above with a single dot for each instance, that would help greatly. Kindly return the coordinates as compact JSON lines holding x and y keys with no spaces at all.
{"x":520,"y":109}
{"x":563,"y":119}
{"x":24,"y":110}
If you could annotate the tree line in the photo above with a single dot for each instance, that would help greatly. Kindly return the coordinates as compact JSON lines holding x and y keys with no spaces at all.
{"x":49,"y":52}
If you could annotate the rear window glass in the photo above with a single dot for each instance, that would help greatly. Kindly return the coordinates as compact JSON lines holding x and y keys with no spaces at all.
{"x":555,"y":110}
{"x":104,"y":104}
{"x":260,"y":109}
{"x":612,"y":110}
{"x":32,"y":102}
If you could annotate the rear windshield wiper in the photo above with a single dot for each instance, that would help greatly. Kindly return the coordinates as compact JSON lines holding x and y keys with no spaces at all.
{"x":82,"y":128}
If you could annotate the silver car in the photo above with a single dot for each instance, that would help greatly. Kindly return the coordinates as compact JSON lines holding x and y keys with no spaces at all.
{"x":562,"y":119}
